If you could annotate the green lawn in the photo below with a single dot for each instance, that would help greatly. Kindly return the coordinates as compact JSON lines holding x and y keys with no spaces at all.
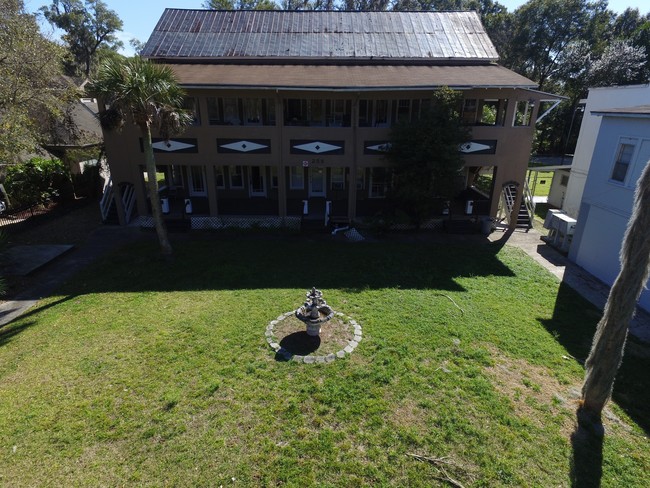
{"x":543,"y":185}
{"x":143,"y":372}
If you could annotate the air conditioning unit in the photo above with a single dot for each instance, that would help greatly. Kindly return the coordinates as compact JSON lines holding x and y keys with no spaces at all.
{"x":561,"y":228}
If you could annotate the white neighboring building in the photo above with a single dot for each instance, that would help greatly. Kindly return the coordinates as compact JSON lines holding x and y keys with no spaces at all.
{"x":598,"y":99}
{"x":621,"y":151}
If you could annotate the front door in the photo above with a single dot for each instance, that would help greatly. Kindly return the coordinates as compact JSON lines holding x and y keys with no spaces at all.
{"x":316,"y":182}
{"x":258,"y":181}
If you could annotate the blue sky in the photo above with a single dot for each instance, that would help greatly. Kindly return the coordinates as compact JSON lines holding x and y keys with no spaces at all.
{"x":141,"y":16}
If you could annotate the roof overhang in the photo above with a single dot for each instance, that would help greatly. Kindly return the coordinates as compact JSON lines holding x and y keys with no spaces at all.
{"x":347,"y":78}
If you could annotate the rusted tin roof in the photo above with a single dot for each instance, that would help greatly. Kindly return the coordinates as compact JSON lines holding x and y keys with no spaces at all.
{"x":347,"y":78}
{"x":325,"y":35}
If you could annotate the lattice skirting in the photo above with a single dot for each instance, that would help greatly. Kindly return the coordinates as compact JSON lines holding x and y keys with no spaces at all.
{"x":234,"y":221}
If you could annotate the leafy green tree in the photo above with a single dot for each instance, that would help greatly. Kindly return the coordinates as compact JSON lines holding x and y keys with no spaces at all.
{"x":542,"y":31}
{"x":88,"y":26}
{"x":425,"y":156}
{"x":138,"y":91}
{"x":30,"y":69}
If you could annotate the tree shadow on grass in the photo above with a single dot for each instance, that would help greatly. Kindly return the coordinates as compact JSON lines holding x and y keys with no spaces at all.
{"x":573,"y":324}
{"x":11,"y":329}
{"x":255,"y":262}
{"x":587,"y":459}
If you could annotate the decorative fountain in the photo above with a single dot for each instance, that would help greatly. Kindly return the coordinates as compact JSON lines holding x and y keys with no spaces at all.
{"x":314,"y":312}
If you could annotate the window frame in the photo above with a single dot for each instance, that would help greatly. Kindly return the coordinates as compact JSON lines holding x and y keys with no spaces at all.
{"x":620,"y":148}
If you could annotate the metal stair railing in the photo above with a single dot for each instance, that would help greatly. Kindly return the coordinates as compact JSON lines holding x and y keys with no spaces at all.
{"x":530,"y":203}
{"x":128,"y":201}
{"x":107,"y":199}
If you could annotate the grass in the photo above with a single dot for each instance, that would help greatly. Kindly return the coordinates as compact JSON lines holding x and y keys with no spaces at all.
{"x":543,"y":186}
{"x":157,"y":373}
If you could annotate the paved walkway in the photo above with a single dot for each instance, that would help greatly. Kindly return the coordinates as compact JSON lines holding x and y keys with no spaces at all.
{"x":54,"y":274}
{"x":570,"y":273}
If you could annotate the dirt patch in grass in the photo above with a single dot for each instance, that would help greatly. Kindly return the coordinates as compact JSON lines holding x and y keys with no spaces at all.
{"x":334,"y":336}
{"x":536,"y":394}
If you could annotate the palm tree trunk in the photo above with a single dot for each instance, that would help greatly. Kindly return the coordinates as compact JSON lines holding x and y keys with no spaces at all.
{"x":152,"y":184}
{"x":609,"y":341}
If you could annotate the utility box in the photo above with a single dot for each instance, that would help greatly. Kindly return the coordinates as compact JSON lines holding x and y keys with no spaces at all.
{"x":561,"y":228}
{"x":469,"y":207}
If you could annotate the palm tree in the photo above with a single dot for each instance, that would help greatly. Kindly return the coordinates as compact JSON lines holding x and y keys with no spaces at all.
{"x":146,"y":94}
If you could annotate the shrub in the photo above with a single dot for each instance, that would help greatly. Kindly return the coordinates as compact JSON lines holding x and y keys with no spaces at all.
{"x":38,"y":182}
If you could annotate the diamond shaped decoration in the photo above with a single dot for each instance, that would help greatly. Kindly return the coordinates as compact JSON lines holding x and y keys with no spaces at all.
{"x":171,"y":145}
{"x":317,"y":147}
{"x":244,"y":146}
{"x":380,"y":147}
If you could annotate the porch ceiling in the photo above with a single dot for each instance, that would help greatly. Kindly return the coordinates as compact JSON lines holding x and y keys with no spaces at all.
{"x":347,"y":78}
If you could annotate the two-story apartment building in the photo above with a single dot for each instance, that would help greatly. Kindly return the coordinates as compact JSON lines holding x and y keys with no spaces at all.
{"x":293,"y":109}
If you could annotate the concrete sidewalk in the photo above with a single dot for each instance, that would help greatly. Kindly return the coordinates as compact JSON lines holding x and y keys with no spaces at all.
{"x":52,"y":275}
{"x":570,"y":273}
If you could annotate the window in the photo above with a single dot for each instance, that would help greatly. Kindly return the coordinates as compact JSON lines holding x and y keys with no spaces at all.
{"x":258,"y":181}
{"x":317,"y":112}
{"x":361,"y":178}
{"x":214,"y":112}
{"x":231,"y":111}
{"x":236,"y":111}
{"x":402,"y":110}
{"x":296,"y":178}
{"x":337,"y":178}
{"x":469,"y":110}
{"x":274,"y":176}
{"x":523,"y":113}
{"x":379,"y":182}
{"x":219,"y":177}
{"x":623,"y":159}
{"x":365,"y":113}
{"x":252,"y":111}
{"x":197,"y":181}
{"x":381,"y":113}
{"x":236,"y":177}
{"x":191,"y":105}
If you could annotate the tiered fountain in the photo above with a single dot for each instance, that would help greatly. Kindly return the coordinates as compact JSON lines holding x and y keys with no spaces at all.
{"x":314,"y":312}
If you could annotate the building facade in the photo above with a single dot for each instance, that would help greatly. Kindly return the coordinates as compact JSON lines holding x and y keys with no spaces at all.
{"x":621,"y":152}
{"x":293,"y":109}
{"x":598,"y":99}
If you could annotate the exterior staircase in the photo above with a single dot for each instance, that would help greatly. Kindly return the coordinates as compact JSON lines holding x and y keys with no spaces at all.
{"x":525,"y":211}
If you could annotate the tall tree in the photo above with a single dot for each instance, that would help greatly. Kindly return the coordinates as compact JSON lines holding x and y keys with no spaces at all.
{"x":30,"y":66}
{"x":88,"y":26}
{"x":542,"y":31}
{"x":138,"y":91}
{"x":425,"y":156}
{"x":609,"y":341}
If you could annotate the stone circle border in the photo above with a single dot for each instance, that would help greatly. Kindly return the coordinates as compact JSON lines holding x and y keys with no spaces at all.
{"x":287,"y":355}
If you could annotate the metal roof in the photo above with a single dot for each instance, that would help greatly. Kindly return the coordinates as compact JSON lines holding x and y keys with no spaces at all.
{"x":326,"y":35}
{"x":637,"y":111}
{"x":346,"y":77}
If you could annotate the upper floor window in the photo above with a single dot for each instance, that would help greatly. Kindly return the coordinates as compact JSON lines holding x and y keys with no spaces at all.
{"x":623,"y":159}
{"x":241,"y":111}
{"x":523,"y":113}
{"x":317,"y":112}
{"x":191,"y":105}
{"x":488,"y":111}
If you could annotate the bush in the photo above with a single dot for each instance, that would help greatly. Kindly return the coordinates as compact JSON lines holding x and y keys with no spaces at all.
{"x":38,"y":182}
